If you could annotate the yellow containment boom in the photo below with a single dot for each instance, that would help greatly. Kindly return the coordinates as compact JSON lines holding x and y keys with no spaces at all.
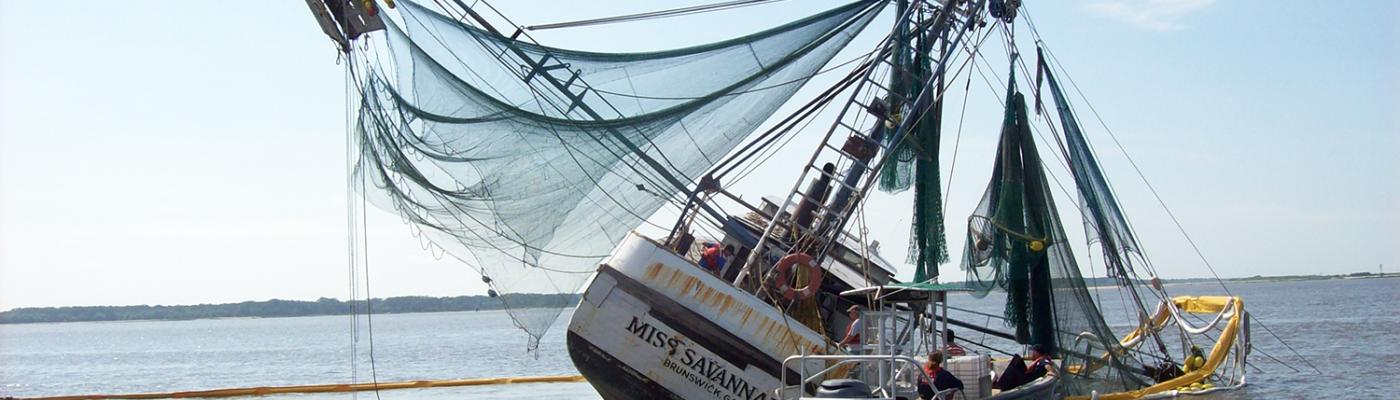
{"x":344,"y":387}
{"x":1194,"y":305}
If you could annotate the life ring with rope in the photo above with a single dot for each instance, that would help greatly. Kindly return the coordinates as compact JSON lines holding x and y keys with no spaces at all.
{"x":785,"y":274}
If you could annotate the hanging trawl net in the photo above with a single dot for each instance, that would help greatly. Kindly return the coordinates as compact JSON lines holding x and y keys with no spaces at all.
{"x":1016,"y":243}
{"x":913,"y":161}
{"x":914,"y":158}
{"x":1104,"y":222}
{"x":530,"y":163}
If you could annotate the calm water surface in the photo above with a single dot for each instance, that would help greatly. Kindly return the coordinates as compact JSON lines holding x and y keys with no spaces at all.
{"x":1346,"y":328}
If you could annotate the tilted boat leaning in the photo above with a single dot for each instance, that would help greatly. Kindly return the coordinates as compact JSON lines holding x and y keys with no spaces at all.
{"x":529,"y":162}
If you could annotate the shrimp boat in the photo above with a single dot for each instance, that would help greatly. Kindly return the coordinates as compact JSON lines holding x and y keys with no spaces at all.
{"x":529,"y":162}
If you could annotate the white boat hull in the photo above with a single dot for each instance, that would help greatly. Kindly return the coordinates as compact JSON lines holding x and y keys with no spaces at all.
{"x":652,"y":324}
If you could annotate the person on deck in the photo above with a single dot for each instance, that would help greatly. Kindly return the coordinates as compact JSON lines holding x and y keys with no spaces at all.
{"x":1040,"y":364}
{"x":728,"y":255}
{"x":713,"y":258}
{"x":853,"y":331}
{"x":952,"y":349}
{"x":942,"y":379}
{"x":1017,"y":373}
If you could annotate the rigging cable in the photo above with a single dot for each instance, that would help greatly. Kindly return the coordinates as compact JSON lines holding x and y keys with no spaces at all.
{"x":746,"y":91}
{"x":762,"y":145}
{"x":363,"y":252}
{"x":649,"y":15}
{"x":352,"y":228}
{"x":962,"y":117}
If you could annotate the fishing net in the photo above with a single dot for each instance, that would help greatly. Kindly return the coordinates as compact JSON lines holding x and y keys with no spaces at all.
{"x":913,"y":160}
{"x":1104,"y":222}
{"x":1017,"y":243}
{"x":530,"y":163}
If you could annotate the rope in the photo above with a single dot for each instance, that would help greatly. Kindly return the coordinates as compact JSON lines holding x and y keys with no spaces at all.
{"x":650,"y":15}
{"x":740,"y":92}
{"x":1008,"y":231}
{"x":1229,"y":310}
{"x":359,"y":239}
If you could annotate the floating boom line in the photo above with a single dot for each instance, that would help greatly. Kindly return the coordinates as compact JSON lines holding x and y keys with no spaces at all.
{"x":330,"y":388}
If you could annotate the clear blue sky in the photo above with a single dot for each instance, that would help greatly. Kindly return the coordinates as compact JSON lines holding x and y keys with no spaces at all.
{"x":174,"y":152}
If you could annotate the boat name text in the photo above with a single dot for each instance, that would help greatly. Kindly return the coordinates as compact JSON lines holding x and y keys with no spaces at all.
{"x":708,"y":373}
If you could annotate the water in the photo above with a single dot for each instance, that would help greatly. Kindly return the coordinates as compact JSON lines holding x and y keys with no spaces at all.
{"x":1346,"y":328}
{"x":166,"y":356}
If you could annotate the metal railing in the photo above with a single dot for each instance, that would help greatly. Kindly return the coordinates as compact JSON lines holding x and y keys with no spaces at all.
{"x":895,"y":375}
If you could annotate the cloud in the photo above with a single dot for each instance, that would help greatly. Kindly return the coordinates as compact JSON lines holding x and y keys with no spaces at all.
{"x":1157,"y":15}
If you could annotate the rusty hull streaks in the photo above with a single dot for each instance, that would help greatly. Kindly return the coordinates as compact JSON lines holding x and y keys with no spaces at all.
{"x":774,"y":335}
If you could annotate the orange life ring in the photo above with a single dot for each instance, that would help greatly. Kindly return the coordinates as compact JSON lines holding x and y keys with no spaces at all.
{"x":785,"y":274}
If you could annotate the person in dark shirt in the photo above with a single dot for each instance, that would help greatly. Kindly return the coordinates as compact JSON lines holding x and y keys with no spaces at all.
{"x":942,"y":379}
{"x":1014,"y":374}
{"x":1040,"y":364}
{"x":1017,"y":373}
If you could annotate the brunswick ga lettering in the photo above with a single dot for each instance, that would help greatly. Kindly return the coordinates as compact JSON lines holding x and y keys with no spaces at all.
{"x":709,"y":374}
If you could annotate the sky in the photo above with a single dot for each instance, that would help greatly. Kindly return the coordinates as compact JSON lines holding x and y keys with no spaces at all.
{"x":174,"y":152}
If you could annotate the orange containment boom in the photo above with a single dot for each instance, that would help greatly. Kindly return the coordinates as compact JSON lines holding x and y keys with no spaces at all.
{"x":344,"y":387}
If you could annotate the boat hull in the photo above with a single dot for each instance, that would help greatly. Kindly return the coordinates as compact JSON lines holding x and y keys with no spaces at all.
{"x":652,"y":324}
{"x":612,"y":379}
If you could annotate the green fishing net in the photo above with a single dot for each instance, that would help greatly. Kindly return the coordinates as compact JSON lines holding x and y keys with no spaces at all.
{"x":530,"y":163}
{"x":1016,"y":243}
{"x":913,"y":160}
{"x":1104,"y":222}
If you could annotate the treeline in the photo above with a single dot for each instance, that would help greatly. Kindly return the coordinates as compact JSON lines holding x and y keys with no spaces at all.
{"x":284,"y":308}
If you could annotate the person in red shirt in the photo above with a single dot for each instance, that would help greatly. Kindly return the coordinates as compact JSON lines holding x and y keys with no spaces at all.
{"x":952,"y":349}
{"x":713,"y":258}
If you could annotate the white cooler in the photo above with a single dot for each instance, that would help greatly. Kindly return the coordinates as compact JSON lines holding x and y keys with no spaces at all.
{"x":975,"y":372}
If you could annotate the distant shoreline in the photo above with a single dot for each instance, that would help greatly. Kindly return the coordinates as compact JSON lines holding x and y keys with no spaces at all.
{"x":1290,"y":278}
{"x":1106,"y":282}
{"x":280,"y":308}
{"x":418,"y":304}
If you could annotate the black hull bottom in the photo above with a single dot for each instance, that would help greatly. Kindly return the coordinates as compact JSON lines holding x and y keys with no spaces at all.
{"x":613,"y":379}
